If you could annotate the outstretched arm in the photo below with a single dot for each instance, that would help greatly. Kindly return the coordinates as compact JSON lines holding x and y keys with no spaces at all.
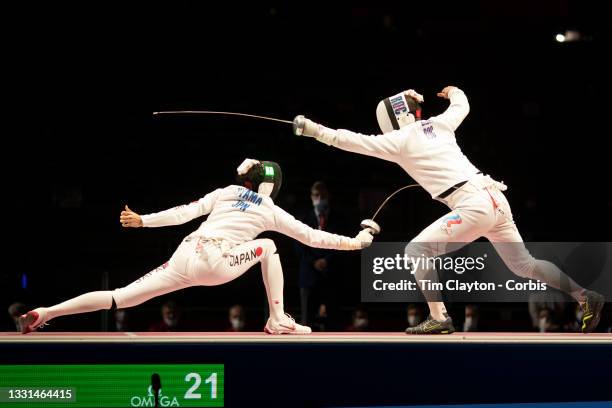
{"x":387,"y":146}
{"x":174,"y":216}
{"x":458,"y":109}
{"x":286,"y":224}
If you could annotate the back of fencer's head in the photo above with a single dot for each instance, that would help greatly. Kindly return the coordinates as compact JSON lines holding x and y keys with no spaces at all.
{"x":263,"y":177}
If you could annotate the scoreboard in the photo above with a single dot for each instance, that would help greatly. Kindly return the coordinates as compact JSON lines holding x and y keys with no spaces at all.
{"x":111,"y":385}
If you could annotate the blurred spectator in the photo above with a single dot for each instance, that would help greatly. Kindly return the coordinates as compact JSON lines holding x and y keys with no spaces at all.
{"x":15,"y":310}
{"x":236,"y":318}
{"x":122,"y":320}
{"x":315,"y":264}
{"x":360,"y":321}
{"x":171,"y":319}
{"x":320,"y":322}
{"x":472,"y":318}
{"x":414,"y":315}
{"x":545,"y":321}
{"x":551,"y":300}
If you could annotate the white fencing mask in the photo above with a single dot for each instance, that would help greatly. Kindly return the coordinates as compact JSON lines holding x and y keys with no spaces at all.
{"x":398,"y":110}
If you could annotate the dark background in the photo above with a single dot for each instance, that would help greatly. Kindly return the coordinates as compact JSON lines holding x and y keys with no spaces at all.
{"x":80,"y":83}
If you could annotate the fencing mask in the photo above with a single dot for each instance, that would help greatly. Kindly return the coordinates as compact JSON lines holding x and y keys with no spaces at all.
{"x":398,"y":111}
{"x":263,"y":177}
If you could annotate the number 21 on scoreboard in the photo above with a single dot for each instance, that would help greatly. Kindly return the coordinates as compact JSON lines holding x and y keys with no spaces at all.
{"x":191,"y":392}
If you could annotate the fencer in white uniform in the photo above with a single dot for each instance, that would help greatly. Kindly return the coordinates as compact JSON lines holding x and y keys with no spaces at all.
{"x":428,"y":151}
{"x":220,"y":250}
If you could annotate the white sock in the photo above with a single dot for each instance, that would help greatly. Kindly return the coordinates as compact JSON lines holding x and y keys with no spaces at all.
{"x":437,"y":310}
{"x":433,"y":297}
{"x":89,"y":302}
{"x":272,"y":273}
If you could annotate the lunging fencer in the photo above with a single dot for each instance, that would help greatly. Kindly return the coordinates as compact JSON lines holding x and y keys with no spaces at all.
{"x":428,"y":151}
{"x":220,"y":250}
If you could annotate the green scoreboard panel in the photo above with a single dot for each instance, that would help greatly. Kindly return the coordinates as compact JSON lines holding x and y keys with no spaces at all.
{"x":111,"y":385}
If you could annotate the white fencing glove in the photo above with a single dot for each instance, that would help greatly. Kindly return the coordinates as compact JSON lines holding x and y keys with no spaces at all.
{"x":363,"y":239}
{"x":303,"y":126}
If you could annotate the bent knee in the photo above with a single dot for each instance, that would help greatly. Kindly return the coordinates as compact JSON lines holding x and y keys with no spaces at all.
{"x":268,"y":246}
{"x":118,"y":297}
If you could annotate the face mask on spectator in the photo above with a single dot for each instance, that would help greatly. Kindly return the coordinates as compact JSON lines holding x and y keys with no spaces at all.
{"x":360,"y":322}
{"x":320,"y":204}
{"x":469,"y":324}
{"x":543,"y":324}
{"x":413,"y":320}
{"x":237,"y":323}
{"x":171,"y":321}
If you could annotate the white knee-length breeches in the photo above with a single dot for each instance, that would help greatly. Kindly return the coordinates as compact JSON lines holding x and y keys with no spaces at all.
{"x":478,"y":209}
{"x":195,"y":262}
